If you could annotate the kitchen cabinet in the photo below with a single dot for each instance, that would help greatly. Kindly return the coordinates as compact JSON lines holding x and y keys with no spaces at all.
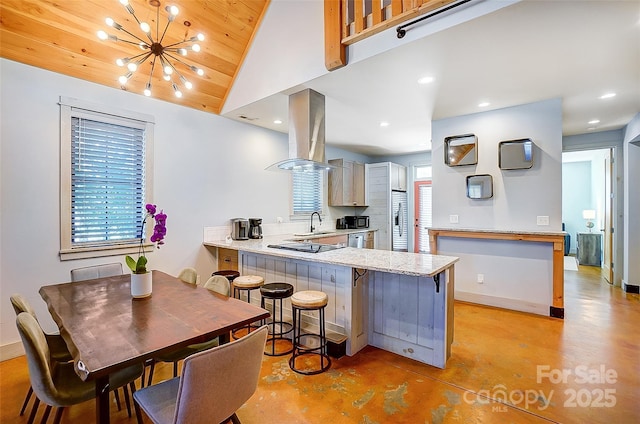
{"x":346,"y":183}
{"x":383,"y":180}
{"x":227,"y":259}
{"x":398,"y":174}
{"x":337,"y":239}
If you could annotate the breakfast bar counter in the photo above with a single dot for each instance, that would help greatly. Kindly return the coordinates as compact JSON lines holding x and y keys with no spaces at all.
{"x":398,"y":301}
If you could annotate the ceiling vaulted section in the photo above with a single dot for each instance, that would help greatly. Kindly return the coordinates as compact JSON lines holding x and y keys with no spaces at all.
{"x":60,"y":36}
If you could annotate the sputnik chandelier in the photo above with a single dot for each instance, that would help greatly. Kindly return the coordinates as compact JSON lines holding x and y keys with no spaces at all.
{"x":152,"y":48}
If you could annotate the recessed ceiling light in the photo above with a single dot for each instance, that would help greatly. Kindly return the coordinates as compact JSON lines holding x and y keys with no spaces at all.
{"x":277,"y":122}
{"x":483,"y":104}
{"x":607,"y":96}
{"x":593,"y":122}
{"x":384,"y":124}
{"x":425,"y":80}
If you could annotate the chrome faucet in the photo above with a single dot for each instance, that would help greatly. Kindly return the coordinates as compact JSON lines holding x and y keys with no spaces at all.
{"x":312,"y":227}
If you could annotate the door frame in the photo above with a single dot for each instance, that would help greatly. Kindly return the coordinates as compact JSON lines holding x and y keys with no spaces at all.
{"x":416,"y":211}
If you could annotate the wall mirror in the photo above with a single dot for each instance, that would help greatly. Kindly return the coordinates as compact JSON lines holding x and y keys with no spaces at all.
{"x":461,"y":150}
{"x":515,"y":154}
{"x":479,"y":186}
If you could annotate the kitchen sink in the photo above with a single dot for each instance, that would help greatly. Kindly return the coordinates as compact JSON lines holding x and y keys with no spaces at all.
{"x":306,"y":247}
{"x":316,"y":233}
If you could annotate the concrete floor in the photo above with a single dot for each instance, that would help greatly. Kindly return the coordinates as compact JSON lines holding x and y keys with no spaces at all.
{"x":505,"y":367}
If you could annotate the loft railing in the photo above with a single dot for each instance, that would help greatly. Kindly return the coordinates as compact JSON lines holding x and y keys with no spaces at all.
{"x":349,"y":21}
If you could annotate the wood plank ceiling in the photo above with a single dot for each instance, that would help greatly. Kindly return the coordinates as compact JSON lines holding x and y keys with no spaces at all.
{"x":60,"y":36}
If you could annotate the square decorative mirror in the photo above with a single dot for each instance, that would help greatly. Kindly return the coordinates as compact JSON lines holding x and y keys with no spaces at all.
{"x":479,"y":186}
{"x":515,"y":154}
{"x":461,"y":150}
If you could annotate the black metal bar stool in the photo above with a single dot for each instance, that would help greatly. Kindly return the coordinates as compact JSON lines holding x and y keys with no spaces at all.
{"x":305,"y":344}
{"x":246,"y":283}
{"x":277,"y":292}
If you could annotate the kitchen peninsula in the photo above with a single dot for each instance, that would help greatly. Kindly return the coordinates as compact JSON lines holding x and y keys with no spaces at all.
{"x":398,"y":301}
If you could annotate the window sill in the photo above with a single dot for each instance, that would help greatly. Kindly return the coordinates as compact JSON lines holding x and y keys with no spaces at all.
{"x":100,"y":251}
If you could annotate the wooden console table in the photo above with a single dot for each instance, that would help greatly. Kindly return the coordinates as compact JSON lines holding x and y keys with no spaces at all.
{"x":556,"y":239}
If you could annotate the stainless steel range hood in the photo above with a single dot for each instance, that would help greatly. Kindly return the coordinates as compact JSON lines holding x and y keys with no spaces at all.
{"x":306,"y":133}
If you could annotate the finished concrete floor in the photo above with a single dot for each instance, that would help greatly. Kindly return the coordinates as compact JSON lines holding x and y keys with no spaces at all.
{"x":506,"y":367}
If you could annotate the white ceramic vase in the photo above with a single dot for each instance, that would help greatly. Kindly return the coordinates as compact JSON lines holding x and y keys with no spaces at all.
{"x":141,"y":285}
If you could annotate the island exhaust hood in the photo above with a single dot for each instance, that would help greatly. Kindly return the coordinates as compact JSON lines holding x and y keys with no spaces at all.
{"x":306,"y":133}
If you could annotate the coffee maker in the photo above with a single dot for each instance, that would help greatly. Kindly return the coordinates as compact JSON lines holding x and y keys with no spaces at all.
{"x":240,"y":229}
{"x":255,"y":228}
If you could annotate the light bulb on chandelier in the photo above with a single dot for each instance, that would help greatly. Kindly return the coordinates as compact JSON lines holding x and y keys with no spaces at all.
{"x":154,"y":50}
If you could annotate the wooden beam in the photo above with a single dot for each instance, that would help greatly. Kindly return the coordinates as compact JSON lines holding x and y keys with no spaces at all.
{"x":335,"y":53}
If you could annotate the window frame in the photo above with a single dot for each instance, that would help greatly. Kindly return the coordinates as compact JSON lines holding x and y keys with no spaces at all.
{"x":293,"y":216}
{"x":70,"y":107}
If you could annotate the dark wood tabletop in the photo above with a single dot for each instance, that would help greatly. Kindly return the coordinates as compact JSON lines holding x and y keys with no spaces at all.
{"x":106,"y":329}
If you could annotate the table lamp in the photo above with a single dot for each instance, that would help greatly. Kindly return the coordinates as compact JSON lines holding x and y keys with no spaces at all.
{"x":589,"y":214}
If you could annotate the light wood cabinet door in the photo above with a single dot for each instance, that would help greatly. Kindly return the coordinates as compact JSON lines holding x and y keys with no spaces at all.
{"x":227,"y":259}
{"x":346,"y":183}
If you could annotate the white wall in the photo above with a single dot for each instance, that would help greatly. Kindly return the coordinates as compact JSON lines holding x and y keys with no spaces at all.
{"x":207,"y":169}
{"x":517,"y":274}
{"x":631,"y":272}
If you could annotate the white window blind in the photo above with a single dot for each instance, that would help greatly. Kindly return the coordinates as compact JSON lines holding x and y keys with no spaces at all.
{"x":106,"y":165}
{"x":307,"y":191}
{"x":107,"y":182}
{"x":424,"y":216}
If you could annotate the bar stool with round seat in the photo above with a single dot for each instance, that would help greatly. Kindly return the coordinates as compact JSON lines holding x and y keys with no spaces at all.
{"x":246,"y":283}
{"x":276,"y":292}
{"x":231,"y":274}
{"x":305,"y":344}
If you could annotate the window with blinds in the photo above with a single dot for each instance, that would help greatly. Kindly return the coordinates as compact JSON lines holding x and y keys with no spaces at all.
{"x":105,"y":158}
{"x":307,"y":191}
{"x":107,"y":182}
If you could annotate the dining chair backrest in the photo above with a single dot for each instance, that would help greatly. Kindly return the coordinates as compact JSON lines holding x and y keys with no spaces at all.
{"x":96,"y":271}
{"x":37,"y":352}
{"x":201,"y":394}
{"x":20,"y":304}
{"x":189,"y":275}
{"x":219,"y":284}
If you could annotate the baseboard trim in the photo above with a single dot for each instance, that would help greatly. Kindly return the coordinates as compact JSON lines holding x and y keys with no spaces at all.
{"x":504,"y":303}
{"x":11,"y":350}
{"x":630,"y":288}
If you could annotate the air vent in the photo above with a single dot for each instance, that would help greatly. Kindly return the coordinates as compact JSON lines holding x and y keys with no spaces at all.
{"x":247,"y":118}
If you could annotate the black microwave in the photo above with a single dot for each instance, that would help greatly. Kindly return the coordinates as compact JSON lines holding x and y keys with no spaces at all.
{"x":356,"y":221}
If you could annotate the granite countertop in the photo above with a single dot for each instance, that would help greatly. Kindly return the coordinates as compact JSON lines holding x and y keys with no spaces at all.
{"x":417,"y":264}
{"x":328,"y":233}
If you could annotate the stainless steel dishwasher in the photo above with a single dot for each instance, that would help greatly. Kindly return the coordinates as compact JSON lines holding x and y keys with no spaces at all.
{"x":356,"y":240}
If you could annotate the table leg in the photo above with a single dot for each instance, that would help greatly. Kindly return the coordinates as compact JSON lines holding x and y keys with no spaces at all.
{"x":102,"y":400}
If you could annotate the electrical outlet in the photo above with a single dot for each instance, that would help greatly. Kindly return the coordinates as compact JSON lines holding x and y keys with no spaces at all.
{"x":480,"y":278}
{"x":453,"y":219}
{"x":542,"y":220}
{"x":279,"y":220}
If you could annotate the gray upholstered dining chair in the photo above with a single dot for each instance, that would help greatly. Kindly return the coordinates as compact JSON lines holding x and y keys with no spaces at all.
{"x":58,"y":350}
{"x":189,"y":275}
{"x":59,"y":385}
{"x":96,"y":271}
{"x":198,"y":395}
{"x":216,"y":283}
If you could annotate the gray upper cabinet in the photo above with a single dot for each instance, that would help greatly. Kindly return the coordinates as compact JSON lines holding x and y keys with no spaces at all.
{"x":398,"y":175}
{"x":346,"y":183}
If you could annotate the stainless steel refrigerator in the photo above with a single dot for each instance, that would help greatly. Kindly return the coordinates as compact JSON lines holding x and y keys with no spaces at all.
{"x":399,"y":224}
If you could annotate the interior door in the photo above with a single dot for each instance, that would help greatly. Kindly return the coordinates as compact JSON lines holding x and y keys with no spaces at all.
{"x":607,"y":231}
{"x":422,"y":214}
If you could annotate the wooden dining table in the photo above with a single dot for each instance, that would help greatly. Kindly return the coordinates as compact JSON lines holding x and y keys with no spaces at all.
{"x":107,"y":330}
